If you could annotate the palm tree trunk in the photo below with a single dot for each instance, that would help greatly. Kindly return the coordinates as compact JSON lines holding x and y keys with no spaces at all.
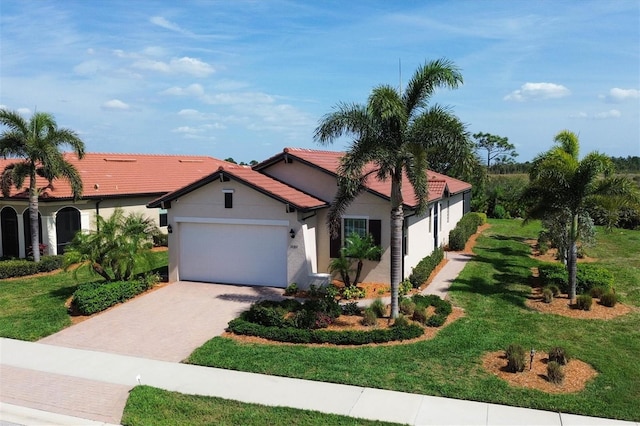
{"x":358,"y":272}
{"x":572,"y":261}
{"x":33,"y":216}
{"x":397,"y":219}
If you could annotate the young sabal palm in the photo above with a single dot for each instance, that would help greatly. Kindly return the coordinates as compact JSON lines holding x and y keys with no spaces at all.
{"x":562,"y":186}
{"x":120,"y":244}
{"x":391,"y":135}
{"x":36,"y":146}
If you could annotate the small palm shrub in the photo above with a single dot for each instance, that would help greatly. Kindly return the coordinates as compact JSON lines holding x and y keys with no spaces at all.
{"x":609,"y":299}
{"x":369,"y":317}
{"x":584,"y":302}
{"x":555,"y":372}
{"x":379,"y":308}
{"x":547,"y":295}
{"x":407,"y":307}
{"x":559,"y":355}
{"x":516,"y":358}
{"x":351,"y":308}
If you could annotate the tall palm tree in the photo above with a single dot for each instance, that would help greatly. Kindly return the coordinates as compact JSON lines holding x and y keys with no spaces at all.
{"x":391,"y":136}
{"x":561,"y":187}
{"x":37,"y":143}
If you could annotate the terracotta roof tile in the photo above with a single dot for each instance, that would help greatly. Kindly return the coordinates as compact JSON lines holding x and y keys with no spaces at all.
{"x":109,"y":175}
{"x":330,"y":161}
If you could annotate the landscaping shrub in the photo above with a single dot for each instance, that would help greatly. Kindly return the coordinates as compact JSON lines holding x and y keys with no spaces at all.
{"x":553,"y":274}
{"x":584,"y":302}
{"x":555,"y":290}
{"x":351,"y":337}
{"x":436,"y":320}
{"x":267,"y":314}
{"x":419,"y":315}
{"x":50,"y":263}
{"x":516,"y":358}
{"x":352,"y":292}
{"x":590,"y":276}
{"x":401,"y":321}
{"x":407,"y":306}
{"x":291,"y":289}
{"x":379,"y":308}
{"x":351,"y":308}
{"x":597,"y":292}
{"x":95,"y":297}
{"x":423,"y":269}
{"x":466,"y":227}
{"x":369,"y":317}
{"x":405,"y":287}
{"x":555,"y":372}
{"x":547,"y":295}
{"x":559,"y":355}
{"x":23,"y":267}
{"x":609,"y":299}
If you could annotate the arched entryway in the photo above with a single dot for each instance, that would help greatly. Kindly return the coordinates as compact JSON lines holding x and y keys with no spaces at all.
{"x":9,"y":225}
{"x":27,"y":230}
{"x":67,"y":224}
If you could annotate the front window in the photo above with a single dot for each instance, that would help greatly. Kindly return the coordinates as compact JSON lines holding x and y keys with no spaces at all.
{"x":355,"y":225}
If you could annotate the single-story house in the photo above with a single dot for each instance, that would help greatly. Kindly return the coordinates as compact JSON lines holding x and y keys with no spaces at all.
{"x":129,"y":181}
{"x":267,"y":224}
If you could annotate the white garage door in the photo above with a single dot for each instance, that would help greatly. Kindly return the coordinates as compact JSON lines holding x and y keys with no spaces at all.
{"x":242,"y":253}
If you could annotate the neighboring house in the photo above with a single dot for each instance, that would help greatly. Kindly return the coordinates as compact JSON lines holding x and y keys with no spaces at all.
{"x":267,"y":225}
{"x":129,"y":181}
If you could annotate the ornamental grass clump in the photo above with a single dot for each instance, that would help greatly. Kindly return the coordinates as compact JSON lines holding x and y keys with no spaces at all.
{"x":369,"y":317}
{"x":559,"y":355}
{"x":516,"y":358}
{"x":555,"y":372}
{"x":407,"y":307}
{"x":547,"y":295}
{"x":609,"y":299}
{"x":584,"y":302}
{"x":379,"y":308}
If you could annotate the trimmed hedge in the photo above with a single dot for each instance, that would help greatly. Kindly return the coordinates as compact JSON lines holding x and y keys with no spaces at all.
{"x":90,"y":298}
{"x":442,"y":309}
{"x":423,"y":269}
{"x":466,"y":227}
{"x":23,"y":267}
{"x":588,"y":276}
{"x":349,"y":337}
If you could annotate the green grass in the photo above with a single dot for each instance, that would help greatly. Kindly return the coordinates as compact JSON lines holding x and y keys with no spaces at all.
{"x":150,"y":406}
{"x":33,"y":307}
{"x":492,"y":289}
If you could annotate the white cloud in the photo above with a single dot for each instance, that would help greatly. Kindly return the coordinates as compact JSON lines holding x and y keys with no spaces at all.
{"x":191,"y":90}
{"x":115,"y":105}
{"x":612,"y":113}
{"x":24,"y":111}
{"x":184,"y":65}
{"x":532,"y":91}
{"x":87,"y":67}
{"x":166,"y":24}
{"x":617,"y":95}
{"x":239,"y":98}
{"x":185,"y":129}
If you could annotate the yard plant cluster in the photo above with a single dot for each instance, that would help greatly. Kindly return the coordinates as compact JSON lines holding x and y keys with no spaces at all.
{"x":306,"y":322}
{"x":592,"y":281}
{"x":466,"y":227}
{"x":22,"y":267}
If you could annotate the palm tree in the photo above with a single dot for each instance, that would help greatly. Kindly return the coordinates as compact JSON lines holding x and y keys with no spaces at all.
{"x":562,"y":186}
{"x":37,"y":142}
{"x":122,"y":243}
{"x":361,"y":248}
{"x":391,"y":135}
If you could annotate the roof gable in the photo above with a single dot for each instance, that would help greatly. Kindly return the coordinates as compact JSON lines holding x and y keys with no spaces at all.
{"x":262,"y":183}
{"x":329,"y":161}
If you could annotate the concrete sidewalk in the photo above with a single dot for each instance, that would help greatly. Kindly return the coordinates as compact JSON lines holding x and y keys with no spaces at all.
{"x":354,"y":401}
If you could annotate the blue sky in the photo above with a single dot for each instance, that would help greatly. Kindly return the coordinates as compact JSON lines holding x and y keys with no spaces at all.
{"x":244,"y":79}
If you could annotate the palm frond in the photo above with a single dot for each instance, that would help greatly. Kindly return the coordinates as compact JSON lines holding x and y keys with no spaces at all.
{"x":428,"y":77}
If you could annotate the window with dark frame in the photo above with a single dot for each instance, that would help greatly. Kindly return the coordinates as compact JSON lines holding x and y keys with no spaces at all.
{"x":362,"y":226}
{"x":228,"y":200}
{"x":163,"y":217}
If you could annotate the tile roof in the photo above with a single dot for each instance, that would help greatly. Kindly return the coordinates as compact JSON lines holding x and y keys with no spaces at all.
{"x":259,"y":181}
{"x":117,"y":175}
{"x":330,"y":161}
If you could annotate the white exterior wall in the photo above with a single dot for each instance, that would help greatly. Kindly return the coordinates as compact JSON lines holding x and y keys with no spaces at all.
{"x":207,"y":202}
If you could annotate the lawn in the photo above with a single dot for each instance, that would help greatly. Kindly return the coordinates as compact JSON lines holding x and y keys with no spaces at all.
{"x":33,"y":307}
{"x":150,"y":406}
{"x":492,"y":289}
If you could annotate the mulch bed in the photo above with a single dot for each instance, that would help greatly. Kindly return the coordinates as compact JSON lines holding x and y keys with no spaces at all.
{"x":577,"y":373}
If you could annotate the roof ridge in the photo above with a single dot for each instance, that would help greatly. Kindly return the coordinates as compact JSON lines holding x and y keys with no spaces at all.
{"x":296,"y":149}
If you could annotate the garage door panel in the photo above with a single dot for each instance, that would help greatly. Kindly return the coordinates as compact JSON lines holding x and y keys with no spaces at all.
{"x":234,"y":253}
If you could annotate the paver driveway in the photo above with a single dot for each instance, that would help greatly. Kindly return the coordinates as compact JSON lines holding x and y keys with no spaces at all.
{"x":166,"y":324}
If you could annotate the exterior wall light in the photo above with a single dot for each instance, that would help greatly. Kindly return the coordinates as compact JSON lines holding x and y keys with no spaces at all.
{"x":169,"y":229}
{"x":292,"y":233}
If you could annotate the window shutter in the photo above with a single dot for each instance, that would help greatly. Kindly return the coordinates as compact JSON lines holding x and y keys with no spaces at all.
{"x":335,"y":244}
{"x":375,"y":229}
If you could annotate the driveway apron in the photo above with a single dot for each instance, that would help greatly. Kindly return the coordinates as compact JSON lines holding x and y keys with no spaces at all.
{"x":166,"y":324}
